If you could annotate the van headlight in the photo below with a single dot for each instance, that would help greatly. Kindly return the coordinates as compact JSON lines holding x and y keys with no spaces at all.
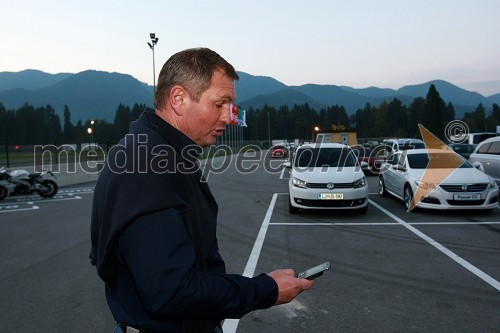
{"x":493,"y":184}
{"x":299,"y":182}
{"x":359,"y":183}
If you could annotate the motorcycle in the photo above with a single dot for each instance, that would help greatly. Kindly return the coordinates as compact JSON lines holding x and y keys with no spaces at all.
{"x":20,"y":181}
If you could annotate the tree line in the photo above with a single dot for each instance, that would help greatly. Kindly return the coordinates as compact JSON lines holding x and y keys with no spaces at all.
{"x":41,"y":125}
{"x":389,"y":119}
{"x":31,"y":125}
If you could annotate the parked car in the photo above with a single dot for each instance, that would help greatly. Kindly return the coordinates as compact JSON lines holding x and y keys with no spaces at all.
{"x":404,"y":144}
{"x":279,"y":151}
{"x":373,"y":158}
{"x":327,"y":177}
{"x":462,"y":187}
{"x":486,"y":157}
{"x":473,"y":138}
{"x":463,"y":149}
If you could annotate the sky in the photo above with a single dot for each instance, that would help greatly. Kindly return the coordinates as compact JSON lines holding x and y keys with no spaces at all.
{"x":363,"y":43}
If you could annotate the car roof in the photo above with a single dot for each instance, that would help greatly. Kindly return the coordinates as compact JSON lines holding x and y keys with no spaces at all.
{"x":493,"y":139}
{"x":408,"y":140}
{"x":427,"y":151}
{"x":323,"y":145}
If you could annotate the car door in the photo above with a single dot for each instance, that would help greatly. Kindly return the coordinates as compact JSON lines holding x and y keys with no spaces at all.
{"x":391,"y":174}
{"x":400,"y":177}
{"x":491,"y":160}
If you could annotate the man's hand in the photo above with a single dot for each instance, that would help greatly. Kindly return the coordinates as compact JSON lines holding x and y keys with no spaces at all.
{"x":288,"y":285}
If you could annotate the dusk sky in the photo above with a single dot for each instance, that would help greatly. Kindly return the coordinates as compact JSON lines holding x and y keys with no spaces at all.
{"x":385,"y":43}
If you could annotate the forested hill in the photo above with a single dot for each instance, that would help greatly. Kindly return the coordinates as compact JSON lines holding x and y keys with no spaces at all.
{"x":96,"y":95}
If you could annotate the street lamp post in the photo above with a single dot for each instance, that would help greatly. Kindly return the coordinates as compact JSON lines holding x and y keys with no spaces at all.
{"x":315,"y":133}
{"x":92,"y":131}
{"x":268,"y":130}
{"x":89,"y":130}
{"x":154,"y":40}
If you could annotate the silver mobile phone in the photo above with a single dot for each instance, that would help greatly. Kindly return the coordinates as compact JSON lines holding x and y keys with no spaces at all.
{"x":314,"y":272}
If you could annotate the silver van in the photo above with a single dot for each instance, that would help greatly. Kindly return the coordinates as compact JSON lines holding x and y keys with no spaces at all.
{"x":474,"y":138}
{"x":486,"y":157}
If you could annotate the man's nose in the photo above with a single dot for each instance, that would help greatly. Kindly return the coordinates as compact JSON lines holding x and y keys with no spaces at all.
{"x":226,"y":115}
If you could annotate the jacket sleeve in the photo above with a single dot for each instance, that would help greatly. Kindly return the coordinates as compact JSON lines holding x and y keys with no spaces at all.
{"x":159,"y":255}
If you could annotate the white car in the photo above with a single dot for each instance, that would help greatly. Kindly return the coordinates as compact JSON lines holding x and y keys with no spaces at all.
{"x":404,"y":144}
{"x":327,"y":176}
{"x":463,"y":187}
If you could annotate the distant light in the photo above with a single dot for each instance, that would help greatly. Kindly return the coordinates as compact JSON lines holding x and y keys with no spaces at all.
{"x":89,"y":130}
{"x":16,"y":147}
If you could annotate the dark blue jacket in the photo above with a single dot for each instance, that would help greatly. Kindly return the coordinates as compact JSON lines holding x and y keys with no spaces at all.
{"x":154,"y":242}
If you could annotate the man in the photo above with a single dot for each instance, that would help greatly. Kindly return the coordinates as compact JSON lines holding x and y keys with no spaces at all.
{"x":154,"y":219}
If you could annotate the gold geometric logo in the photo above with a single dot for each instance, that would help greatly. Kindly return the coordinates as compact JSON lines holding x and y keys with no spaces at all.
{"x":442,"y":163}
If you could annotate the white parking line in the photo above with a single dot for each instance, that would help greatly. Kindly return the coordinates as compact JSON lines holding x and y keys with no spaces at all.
{"x":17,"y":209}
{"x":230,"y":325}
{"x":283,"y":173}
{"x":471,"y":268}
{"x":55,"y":198}
{"x":380,"y":223}
{"x":86,"y":190}
{"x":333,"y":223}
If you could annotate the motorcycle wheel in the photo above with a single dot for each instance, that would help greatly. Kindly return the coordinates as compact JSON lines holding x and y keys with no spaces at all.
{"x":51,"y":188}
{"x":3,"y":193}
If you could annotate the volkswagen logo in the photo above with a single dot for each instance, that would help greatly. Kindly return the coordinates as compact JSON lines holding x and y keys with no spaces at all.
{"x":330,"y":186}
{"x":465,"y":187}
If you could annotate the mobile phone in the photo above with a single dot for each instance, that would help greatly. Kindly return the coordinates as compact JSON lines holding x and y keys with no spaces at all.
{"x":314,"y":272}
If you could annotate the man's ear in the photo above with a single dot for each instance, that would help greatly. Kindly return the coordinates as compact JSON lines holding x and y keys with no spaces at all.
{"x":178,"y":97}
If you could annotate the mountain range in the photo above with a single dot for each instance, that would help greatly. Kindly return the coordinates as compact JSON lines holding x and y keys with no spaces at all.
{"x":96,"y":95}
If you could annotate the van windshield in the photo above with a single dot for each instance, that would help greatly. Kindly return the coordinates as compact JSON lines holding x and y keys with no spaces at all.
{"x":412,"y":145}
{"x":330,"y":157}
{"x":439,"y":161}
{"x":478,"y":137}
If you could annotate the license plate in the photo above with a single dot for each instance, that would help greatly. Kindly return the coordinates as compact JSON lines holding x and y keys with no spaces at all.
{"x":467,"y":197}
{"x":331,"y":196}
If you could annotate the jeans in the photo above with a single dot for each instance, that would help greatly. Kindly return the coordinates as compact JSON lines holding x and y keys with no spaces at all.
{"x":117,"y":329}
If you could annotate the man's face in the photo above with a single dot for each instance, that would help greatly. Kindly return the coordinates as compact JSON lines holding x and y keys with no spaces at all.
{"x":207,"y":118}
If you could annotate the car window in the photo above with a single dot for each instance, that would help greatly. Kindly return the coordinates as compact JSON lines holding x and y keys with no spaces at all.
{"x":418,"y":161}
{"x":393,"y":159}
{"x":463,"y":148}
{"x":401,"y":161}
{"x":319,"y":157}
{"x":483,"y":149}
{"x":494,"y":148}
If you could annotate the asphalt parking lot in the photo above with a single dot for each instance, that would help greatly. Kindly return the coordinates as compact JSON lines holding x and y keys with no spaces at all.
{"x":392,"y":271}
